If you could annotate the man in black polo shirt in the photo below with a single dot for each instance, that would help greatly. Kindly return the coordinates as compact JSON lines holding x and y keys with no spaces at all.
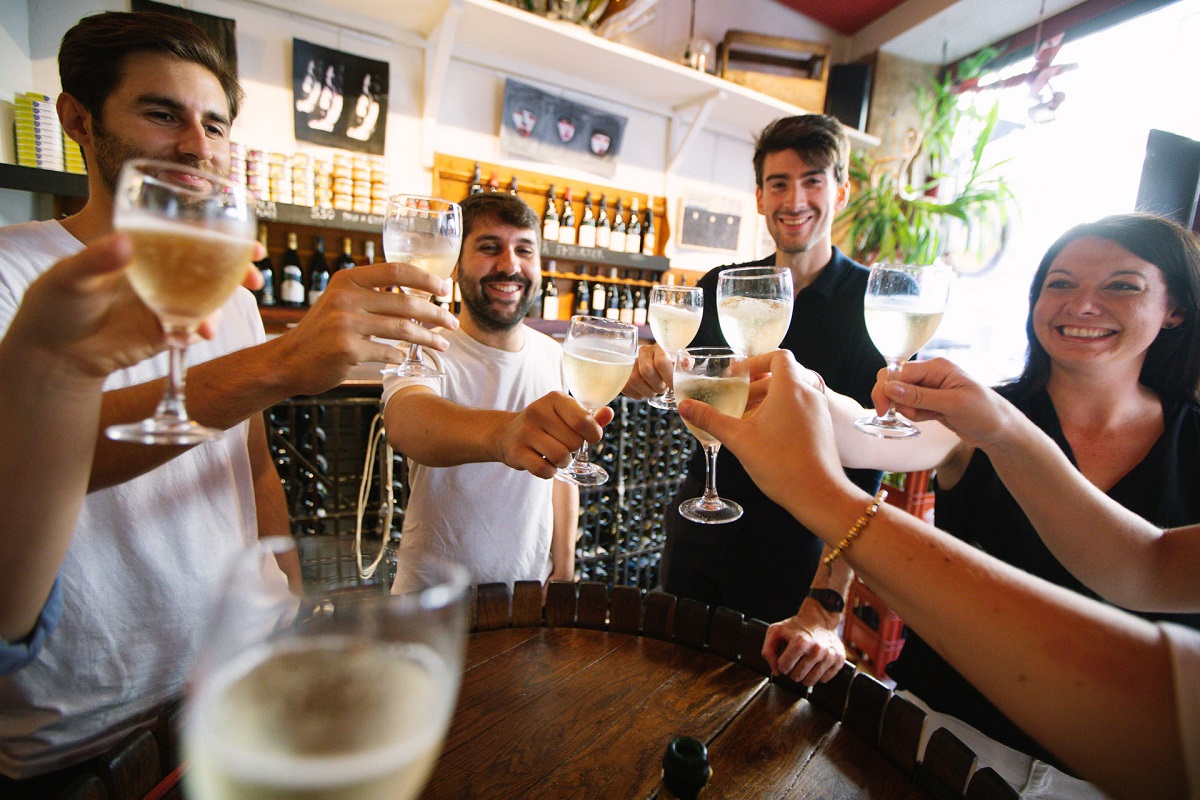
{"x":765,"y":564}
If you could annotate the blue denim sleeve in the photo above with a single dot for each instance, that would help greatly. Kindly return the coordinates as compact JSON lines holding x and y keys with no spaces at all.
{"x":17,"y":655}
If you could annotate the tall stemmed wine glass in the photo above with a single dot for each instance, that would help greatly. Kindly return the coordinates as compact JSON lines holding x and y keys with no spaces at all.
{"x":193,"y":240}
{"x":754,"y":306}
{"x":347,"y":695}
{"x":427,"y":233}
{"x":717,"y":376}
{"x":598,"y":356}
{"x":903,"y":306}
{"x":675,"y":314}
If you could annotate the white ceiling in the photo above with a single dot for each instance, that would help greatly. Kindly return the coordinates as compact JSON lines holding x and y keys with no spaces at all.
{"x":941,"y":31}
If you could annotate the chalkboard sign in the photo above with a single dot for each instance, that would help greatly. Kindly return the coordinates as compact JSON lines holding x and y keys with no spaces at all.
{"x":711,"y":230}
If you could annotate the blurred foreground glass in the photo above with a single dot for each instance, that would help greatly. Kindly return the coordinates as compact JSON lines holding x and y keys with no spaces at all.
{"x":342,"y":697}
{"x":754,"y":307}
{"x":598,"y":355}
{"x":717,"y":376}
{"x":427,"y":233}
{"x":903,"y":306}
{"x":193,"y":237}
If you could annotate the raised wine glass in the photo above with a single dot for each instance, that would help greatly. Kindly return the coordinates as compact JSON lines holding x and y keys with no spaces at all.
{"x":427,"y":233}
{"x":193,"y":237}
{"x":347,"y":695}
{"x":598,"y":356}
{"x":903,"y":306}
{"x":675,"y":313}
{"x":754,"y":306}
{"x":717,"y":376}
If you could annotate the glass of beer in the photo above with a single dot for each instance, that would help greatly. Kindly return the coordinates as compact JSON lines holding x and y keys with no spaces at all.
{"x":598,"y":356}
{"x":675,"y":314}
{"x":717,"y":376}
{"x":193,"y":237}
{"x":903,"y":306}
{"x":347,"y":695}
{"x":427,"y":233}
{"x":754,"y":307}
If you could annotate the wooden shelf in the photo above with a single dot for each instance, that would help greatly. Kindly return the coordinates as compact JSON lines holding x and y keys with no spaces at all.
{"x":43,"y":181}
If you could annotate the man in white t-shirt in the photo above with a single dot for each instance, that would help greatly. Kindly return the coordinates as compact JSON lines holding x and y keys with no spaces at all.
{"x":109,"y":625}
{"x":485,"y":441}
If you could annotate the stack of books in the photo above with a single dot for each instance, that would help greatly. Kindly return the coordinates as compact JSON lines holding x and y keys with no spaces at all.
{"x":39,"y":134}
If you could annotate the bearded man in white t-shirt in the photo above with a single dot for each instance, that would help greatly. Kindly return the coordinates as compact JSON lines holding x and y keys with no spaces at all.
{"x":485,"y":441}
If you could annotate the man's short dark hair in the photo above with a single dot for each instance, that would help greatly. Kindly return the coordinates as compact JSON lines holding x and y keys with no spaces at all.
{"x":817,"y":138}
{"x":93,"y":53}
{"x":505,"y":208}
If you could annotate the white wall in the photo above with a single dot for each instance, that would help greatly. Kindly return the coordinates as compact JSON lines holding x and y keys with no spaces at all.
{"x":468,"y":119}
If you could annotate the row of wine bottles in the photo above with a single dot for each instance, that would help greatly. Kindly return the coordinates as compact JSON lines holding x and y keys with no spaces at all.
{"x":291,"y":285}
{"x":593,"y":227}
{"x":614,"y":299}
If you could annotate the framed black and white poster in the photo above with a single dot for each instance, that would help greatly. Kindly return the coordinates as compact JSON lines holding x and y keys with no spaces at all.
{"x":340,"y":100}
{"x":222,"y":31}
{"x":537,"y":124}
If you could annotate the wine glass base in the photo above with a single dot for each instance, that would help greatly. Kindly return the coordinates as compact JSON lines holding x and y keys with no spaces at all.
{"x":884,"y":428}
{"x":710,"y":512}
{"x":155,"y":431}
{"x":664,"y":402}
{"x":412,"y":370}
{"x":583,"y":474}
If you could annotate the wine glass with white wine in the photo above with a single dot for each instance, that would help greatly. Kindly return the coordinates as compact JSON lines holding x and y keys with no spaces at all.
{"x":675,"y":313}
{"x":346,"y":696}
{"x":754,"y":306}
{"x":720,"y":377}
{"x":598,"y":355}
{"x":427,"y":233}
{"x":193,"y":239}
{"x":903,"y":306}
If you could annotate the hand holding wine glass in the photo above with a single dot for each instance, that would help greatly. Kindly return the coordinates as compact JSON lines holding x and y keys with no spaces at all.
{"x":427,"y":233}
{"x":754,"y":306}
{"x":192,"y":234}
{"x":675,"y":315}
{"x":903,"y":306}
{"x":598,"y":356}
{"x":720,"y":377}
{"x":346,"y":696}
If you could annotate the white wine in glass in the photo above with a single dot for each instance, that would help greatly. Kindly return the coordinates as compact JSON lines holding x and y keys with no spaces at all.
{"x":193,"y":237}
{"x":344,"y":698}
{"x":675,"y":315}
{"x":754,"y":306}
{"x":598,"y":356}
{"x":717,"y":376}
{"x":427,"y":233}
{"x":903,"y":307}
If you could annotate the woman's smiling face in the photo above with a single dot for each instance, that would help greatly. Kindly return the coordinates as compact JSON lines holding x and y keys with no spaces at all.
{"x":1101,"y":304}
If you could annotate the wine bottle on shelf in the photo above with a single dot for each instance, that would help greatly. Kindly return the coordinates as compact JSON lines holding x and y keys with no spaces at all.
{"x":318,"y":271}
{"x":493,"y":183}
{"x":476,"y":186}
{"x":648,"y":241}
{"x":587,"y":223}
{"x":512,"y":186}
{"x":550,"y":221}
{"x":633,"y":230}
{"x":626,"y":301}
{"x":550,"y":293}
{"x":616,"y":241}
{"x":346,"y":259}
{"x":612,"y":308}
{"x":603,"y":224}
{"x":266,"y":295}
{"x":599,"y":296}
{"x":640,"y":309}
{"x":291,"y":287}
{"x":369,"y":251}
{"x":583,"y":297}
{"x":566,"y":220}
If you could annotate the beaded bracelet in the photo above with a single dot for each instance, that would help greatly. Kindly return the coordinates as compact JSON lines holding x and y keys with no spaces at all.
{"x":858,"y":527}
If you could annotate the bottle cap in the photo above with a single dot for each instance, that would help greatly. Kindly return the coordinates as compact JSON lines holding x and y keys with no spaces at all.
{"x":685,"y":767}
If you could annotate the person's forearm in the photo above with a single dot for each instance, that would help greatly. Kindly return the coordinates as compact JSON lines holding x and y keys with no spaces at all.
{"x":566,"y":529}
{"x":439,"y":433}
{"x":48,"y":418}
{"x":1116,"y":553}
{"x":1090,"y":683}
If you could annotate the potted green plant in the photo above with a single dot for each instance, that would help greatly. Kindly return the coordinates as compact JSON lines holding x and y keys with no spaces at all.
{"x":904,"y":206}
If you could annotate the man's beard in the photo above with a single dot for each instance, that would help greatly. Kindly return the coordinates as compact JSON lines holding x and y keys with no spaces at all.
{"x":486,"y":313}
{"x":112,"y":152}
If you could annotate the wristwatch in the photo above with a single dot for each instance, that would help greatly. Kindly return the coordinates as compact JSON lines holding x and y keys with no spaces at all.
{"x":829,"y":599}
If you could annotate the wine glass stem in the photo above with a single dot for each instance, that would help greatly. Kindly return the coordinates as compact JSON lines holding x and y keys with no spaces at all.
{"x":893,"y":370}
{"x":710,"y":473}
{"x":414,"y":354}
{"x":171,"y":407}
